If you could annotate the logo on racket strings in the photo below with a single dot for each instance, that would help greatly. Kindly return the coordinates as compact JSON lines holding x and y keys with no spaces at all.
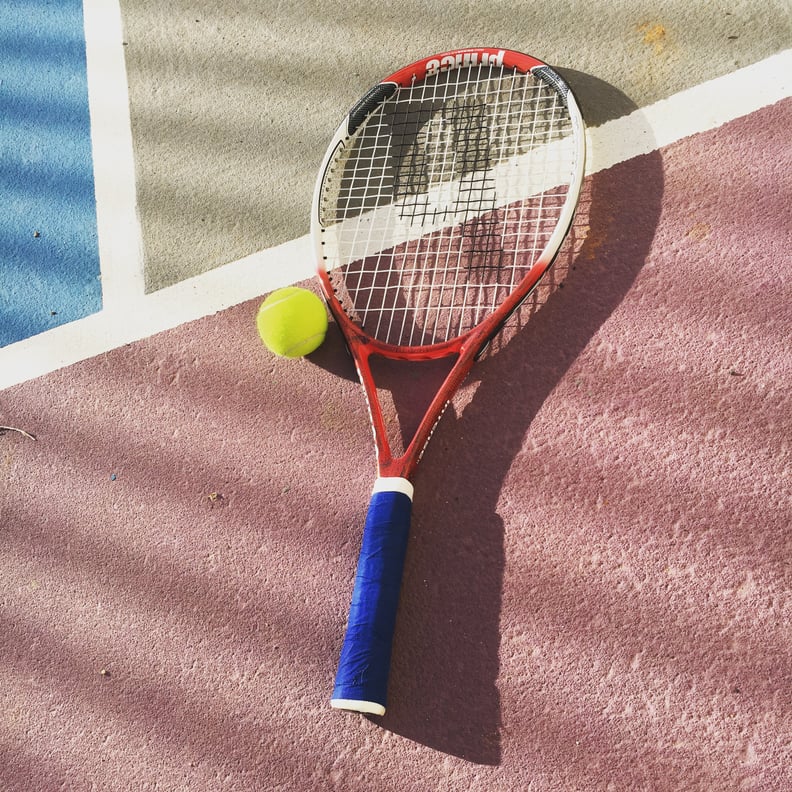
{"x":459,"y":60}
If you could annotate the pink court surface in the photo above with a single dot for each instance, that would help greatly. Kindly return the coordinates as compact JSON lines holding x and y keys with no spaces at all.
{"x":598,"y":586}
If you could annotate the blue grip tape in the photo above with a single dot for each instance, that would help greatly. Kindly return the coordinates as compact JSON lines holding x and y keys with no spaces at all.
{"x":365,"y":656}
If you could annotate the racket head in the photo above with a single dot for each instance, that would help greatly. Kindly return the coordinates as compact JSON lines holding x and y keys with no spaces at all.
{"x":443,"y":198}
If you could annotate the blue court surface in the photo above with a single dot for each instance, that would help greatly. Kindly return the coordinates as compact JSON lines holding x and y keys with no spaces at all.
{"x":49,"y":258}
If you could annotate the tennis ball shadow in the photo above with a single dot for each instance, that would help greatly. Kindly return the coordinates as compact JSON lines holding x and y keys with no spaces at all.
{"x":333,"y":355}
{"x":443,"y":688}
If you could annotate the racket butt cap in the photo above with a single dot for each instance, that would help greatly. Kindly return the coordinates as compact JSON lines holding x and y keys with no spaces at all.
{"x":367,"y":707}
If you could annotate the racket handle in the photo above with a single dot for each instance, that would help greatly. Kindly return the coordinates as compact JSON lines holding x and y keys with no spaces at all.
{"x":362,"y":679}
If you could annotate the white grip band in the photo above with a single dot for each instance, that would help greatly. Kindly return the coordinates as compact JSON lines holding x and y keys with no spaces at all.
{"x":393,"y":484}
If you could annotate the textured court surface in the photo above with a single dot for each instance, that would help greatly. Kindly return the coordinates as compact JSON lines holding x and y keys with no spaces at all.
{"x":597,"y":592}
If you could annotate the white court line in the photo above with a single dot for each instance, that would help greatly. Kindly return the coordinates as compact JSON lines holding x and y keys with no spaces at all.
{"x":129,"y":315}
{"x":120,"y":239}
{"x":690,"y":112}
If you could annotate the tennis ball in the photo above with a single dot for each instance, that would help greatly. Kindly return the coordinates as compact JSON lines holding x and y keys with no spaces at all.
{"x":292,"y":322}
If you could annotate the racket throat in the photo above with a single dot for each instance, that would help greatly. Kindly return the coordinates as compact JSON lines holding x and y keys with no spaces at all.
{"x":406,"y":400}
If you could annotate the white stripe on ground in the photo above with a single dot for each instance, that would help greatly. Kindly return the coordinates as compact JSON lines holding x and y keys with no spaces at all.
{"x":690,"y":112}
{"x":129,"y":314}
{"x":120,"y":240}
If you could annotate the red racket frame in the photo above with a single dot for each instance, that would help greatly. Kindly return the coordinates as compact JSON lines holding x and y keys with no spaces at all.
{"x":468,"y":346}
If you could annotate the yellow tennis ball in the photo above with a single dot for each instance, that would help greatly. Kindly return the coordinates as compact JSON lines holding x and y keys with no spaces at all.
{"x":292,"y":322}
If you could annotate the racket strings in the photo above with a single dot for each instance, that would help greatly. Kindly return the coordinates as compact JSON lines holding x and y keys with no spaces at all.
{"x":444,"y":200}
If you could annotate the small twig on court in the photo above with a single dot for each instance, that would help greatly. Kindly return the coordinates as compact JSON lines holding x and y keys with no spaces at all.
{"x":4,"y":429}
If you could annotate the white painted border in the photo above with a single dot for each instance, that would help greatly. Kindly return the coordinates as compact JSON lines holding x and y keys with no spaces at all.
{"x":146,"y":315}
{"x":690,"y":112}
{"x":120,"y":240}
{"x":129,"y":314}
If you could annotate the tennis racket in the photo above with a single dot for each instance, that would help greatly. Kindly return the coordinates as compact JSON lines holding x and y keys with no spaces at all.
{"x":443,"y":198}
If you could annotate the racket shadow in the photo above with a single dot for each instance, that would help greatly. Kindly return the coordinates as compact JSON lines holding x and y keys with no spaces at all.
{"x":444,"y":679}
